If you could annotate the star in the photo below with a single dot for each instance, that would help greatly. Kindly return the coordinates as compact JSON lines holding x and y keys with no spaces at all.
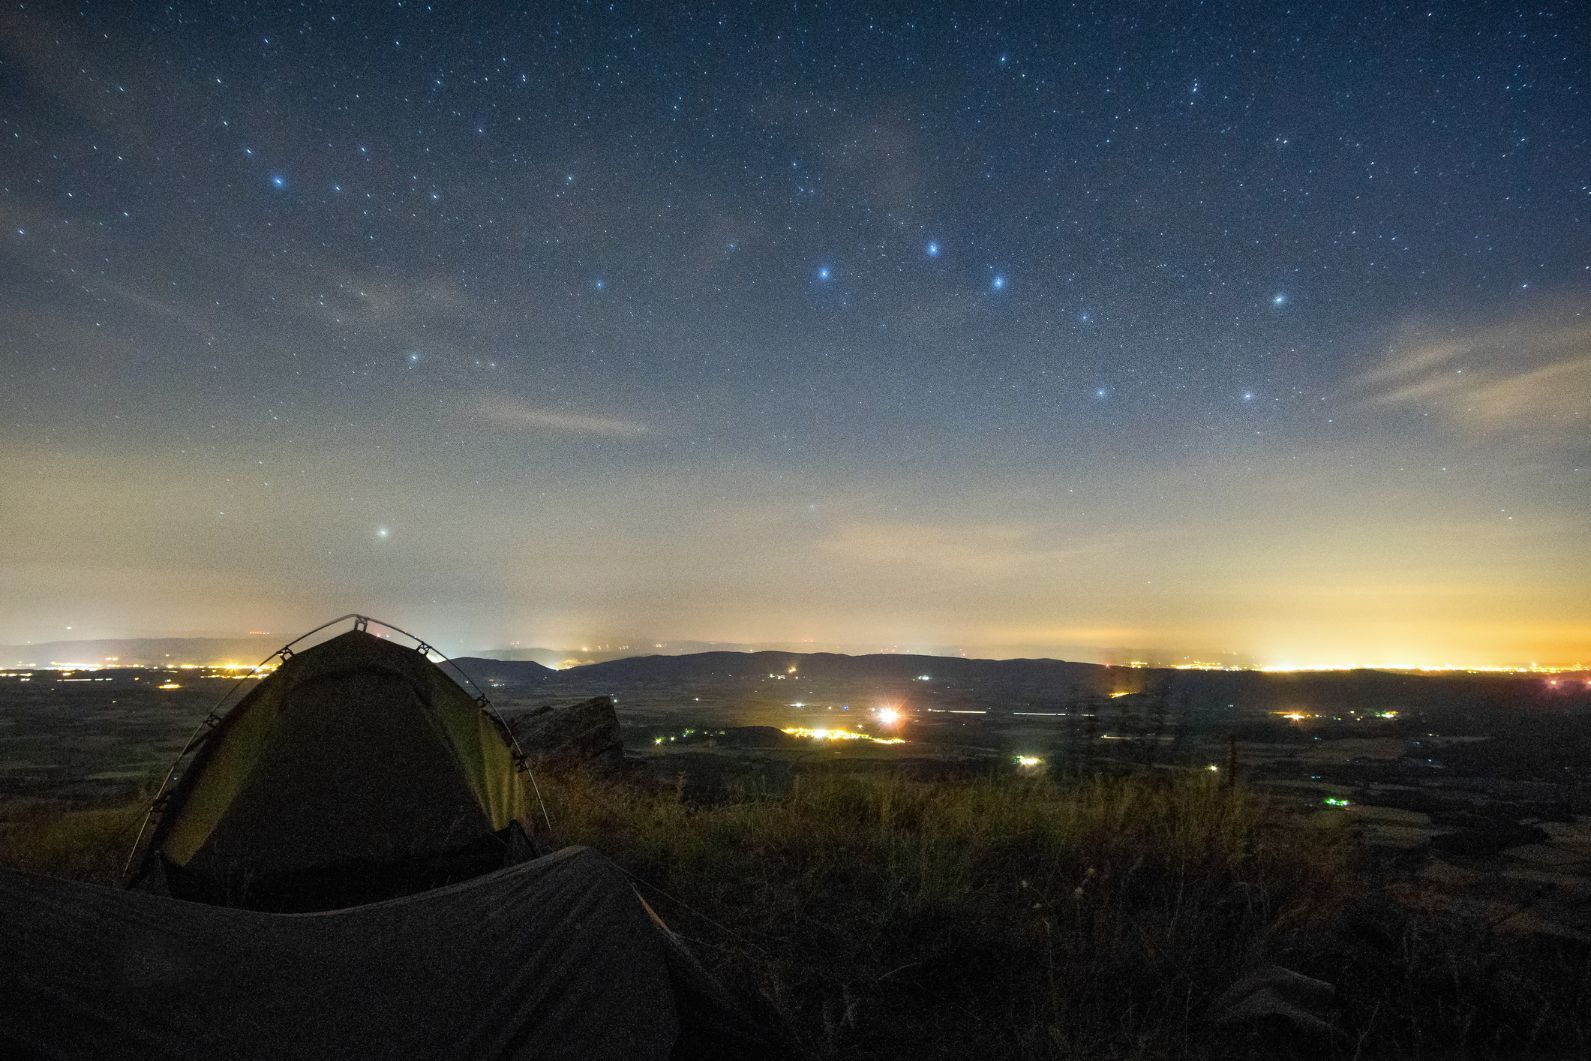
{"x":824,"y":273}
{"x":601,"y":283}
{"x":1279,"y":299}
{"x":383,"y":533}
{"x":278,"y":181}
{"x":998,"y":283}
{"x":1248,"y":396}
{"x":932,"y":250}
{"x":1099,"y":392}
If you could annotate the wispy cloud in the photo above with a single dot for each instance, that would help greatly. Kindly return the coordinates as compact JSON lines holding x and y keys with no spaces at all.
{"x":508,"y":413}
{"x":984,"y":549}
{"x":1529,"y":378}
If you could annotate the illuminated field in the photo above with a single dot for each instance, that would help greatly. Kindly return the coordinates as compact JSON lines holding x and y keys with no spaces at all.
{"x":839,"y":734}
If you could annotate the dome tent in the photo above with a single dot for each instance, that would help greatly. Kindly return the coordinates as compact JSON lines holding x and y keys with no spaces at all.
{"x":547,"y":958}
{"x":358,"y":770}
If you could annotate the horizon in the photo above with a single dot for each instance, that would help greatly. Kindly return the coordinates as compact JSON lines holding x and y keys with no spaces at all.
{"x":1262,"y":337}
{"x":592,"y":650}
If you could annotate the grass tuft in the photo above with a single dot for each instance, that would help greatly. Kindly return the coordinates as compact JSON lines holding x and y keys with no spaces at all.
{"x":87,"y":845}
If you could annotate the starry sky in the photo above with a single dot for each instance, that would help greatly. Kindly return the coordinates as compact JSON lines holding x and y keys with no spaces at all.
{"x":1256,"y":331}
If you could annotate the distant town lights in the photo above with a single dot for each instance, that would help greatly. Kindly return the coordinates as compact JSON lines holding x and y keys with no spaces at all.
{"x":838,"y":734}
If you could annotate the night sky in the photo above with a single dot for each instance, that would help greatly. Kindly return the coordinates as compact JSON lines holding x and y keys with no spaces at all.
{"x":1077,"y":330}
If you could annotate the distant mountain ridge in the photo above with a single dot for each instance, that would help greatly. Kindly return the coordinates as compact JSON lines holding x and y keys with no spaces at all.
{"x":829,"y":666}
{"x":1051,"y":680}
{"x":838,"y":666}
{"x":1047,"y":679}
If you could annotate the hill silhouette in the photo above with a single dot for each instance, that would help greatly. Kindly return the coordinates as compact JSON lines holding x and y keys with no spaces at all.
{"x":1052,"y":679}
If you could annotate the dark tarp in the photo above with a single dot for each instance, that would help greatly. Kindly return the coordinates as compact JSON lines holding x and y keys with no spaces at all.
{"x":552,"y":958}
{"x":357,"y":771}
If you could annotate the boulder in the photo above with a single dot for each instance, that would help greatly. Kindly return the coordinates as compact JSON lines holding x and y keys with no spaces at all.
{"x":1281,"y":1007}
{"x":584,"y":734}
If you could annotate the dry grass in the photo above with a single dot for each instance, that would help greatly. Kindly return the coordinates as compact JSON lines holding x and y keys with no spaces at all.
{"x":89,"y":845}
{"x":982,"y":918}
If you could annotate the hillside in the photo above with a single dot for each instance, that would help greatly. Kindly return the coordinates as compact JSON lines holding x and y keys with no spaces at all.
{"x":1047,"y":679}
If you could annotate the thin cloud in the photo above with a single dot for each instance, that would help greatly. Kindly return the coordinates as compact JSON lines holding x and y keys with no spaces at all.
{"x":984,"y":550}
{"x":1528,"y":379}
{"x":507,"y":413}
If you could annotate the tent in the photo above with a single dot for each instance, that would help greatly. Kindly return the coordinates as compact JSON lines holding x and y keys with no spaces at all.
{"x":358,"y":771}
{"x":552,"y":958}
{"x":343,"y":871}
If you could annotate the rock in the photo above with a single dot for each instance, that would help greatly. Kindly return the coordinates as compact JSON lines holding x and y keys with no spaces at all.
{"x":1280,"y":1006}
{"x":584,"y":734}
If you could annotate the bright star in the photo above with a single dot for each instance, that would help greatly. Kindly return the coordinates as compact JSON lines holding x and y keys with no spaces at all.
{"x":933,"y":249}
{"x":414,"y":357}
{"x":278,"y":181}
{"x":998,"y":283}
{"x":1248,"y":396}
{"x":383,"y":532}
{"x":601,"y":283}
{"x":1099,"y":393}
{"x":823,"y":272}
{"x":1279,"y":299}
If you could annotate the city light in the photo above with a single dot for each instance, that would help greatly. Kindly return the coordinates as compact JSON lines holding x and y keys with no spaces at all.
{"x":835,"y":734}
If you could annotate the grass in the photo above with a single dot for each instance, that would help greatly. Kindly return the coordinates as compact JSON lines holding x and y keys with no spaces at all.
{"x":1097,"y":917}
{"x":88,"y":845}
{"x":979,"y":918}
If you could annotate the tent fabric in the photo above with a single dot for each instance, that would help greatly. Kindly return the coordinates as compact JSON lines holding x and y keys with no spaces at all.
{"x":553,"y":958}
{"x":358,"y":762}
